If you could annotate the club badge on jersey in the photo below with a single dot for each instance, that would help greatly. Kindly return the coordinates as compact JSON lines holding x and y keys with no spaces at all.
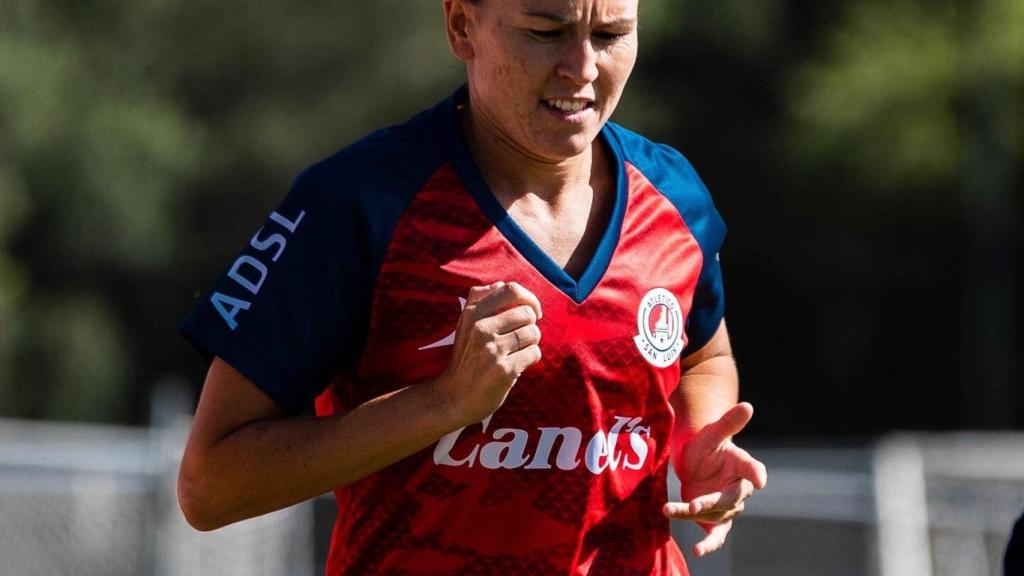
{"x":660,"y":324}
{"x":352,"y":291}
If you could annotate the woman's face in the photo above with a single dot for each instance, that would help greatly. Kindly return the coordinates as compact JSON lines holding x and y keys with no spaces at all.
{"x":545,"y":75}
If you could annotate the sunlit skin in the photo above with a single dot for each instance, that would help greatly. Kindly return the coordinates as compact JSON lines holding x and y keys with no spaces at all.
{"x":522,"y":56}
{"x":527,"y":60}
{"x":536,"y":51}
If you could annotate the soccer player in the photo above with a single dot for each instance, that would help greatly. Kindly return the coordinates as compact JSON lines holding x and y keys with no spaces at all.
{"x":509,"y":315}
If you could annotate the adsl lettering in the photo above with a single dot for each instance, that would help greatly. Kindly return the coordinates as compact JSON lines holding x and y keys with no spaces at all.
{"x":249,"y":272}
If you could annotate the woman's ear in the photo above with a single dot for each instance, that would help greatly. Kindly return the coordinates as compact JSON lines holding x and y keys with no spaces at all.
{"x":457,"y":17}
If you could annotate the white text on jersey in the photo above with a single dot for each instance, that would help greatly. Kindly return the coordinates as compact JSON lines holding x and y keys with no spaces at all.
{"x":507,"y":448}
{"x":250,"y":272}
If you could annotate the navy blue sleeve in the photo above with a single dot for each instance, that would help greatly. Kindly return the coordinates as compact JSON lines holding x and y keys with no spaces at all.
{"x":671,"y":173}
{"x":293,"y":308}
{"x":292,"y":305}
{"x":694,"y":203}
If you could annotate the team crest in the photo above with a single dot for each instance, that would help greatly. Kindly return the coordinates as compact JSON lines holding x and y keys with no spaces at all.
{"x":660,"y":322}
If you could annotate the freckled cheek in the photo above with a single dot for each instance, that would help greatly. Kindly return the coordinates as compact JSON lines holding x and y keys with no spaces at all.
{"x":510,"y":66}
{"x":502,"y":72}
{"x":616,"y":71}
{"x":516,"y":77}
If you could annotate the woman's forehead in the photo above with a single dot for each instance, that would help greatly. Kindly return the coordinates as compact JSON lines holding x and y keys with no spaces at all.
{"x":570,"y":10}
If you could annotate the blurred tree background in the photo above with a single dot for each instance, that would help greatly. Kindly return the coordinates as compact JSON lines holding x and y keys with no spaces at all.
{"x":866,"y":154}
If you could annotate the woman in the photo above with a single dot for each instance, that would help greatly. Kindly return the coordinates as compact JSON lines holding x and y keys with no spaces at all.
{"x":507,"y":310}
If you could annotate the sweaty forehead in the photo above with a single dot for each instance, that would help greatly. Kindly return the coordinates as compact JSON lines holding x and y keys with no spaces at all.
{"x":576,"y":10}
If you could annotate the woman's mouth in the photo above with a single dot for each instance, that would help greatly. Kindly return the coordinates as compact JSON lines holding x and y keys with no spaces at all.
{"x":569,"y":109}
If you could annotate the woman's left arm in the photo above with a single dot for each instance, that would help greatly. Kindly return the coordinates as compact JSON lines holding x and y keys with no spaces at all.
{"x":716,"y":476}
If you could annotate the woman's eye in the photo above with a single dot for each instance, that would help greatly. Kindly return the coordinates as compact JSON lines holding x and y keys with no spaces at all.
{"x":609,"y":36}
{"x":545,"y":34}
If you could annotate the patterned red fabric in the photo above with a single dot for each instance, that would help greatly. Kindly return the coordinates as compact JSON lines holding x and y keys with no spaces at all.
{"x":569,"y":475}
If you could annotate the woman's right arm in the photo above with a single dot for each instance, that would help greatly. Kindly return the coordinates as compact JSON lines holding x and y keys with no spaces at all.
{"x":245,"y":457}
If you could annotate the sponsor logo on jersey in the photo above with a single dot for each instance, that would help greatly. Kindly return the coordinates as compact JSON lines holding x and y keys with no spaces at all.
{"x":249,"y":271}
{"x":659,"y":321}
{"x":507,"y":448}
{"x":449,"y":339}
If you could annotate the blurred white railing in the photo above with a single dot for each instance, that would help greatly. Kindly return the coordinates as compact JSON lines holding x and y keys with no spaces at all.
{"x":87,"y":499}
{"x":100,"y":500}
{"x":937,"y":504}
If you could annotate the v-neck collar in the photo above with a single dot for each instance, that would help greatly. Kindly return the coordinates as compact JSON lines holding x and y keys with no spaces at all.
{"x":469,"y":174}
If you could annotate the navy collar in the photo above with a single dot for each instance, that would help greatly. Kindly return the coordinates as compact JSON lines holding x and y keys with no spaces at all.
{"x":470,"y":176}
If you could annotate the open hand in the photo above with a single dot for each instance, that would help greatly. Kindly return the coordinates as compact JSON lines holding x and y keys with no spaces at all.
{"x":716,"y":478}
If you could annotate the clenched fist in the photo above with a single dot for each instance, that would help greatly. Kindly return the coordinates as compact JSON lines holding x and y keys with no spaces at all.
{"x":496,"y":340}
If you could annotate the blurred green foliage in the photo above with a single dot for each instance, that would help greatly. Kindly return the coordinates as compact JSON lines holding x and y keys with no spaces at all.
{"x":142,"y":142}
{"x":884,"y":96}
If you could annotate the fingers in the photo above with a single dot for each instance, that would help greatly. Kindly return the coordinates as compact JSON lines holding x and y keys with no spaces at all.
{"x":714,"y":512}
{"x":495,"y":341}
{"x":714,"y":507}
{"x":730,"y":424}
{"x":751,"y":469}
{"x":523,"y":359}
{"x":476,"y":293}
{"x":518,"y":339}
{"x":490,"y":300}
{"x":690,"y":510}
{"x":505,"y":314}
{"x":714,"y":540}
{"x":503,"y":322}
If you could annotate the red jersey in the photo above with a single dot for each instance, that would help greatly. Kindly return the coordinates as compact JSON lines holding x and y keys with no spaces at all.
{"x":376,"y":249}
